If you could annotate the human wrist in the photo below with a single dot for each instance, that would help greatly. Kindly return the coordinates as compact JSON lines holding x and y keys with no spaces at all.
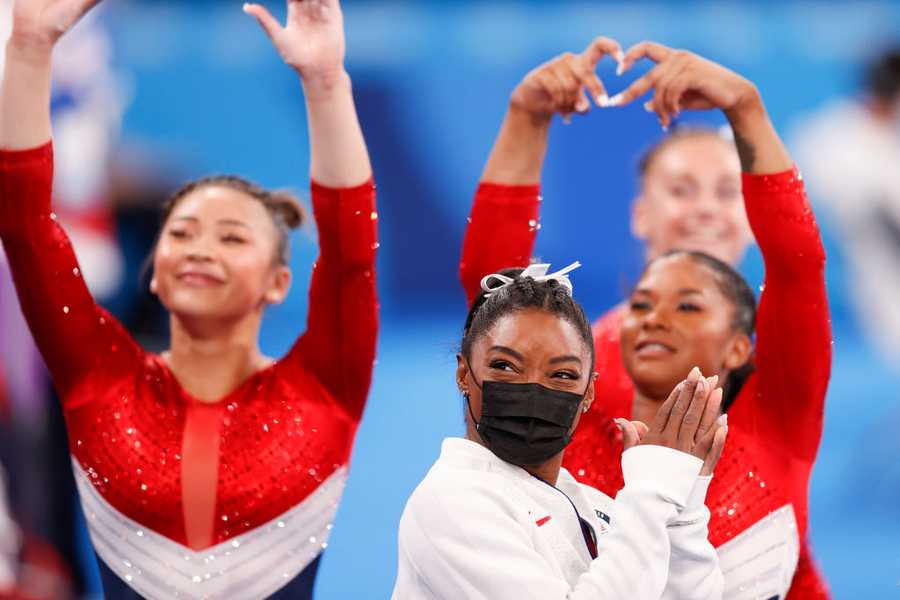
{"x":323,"y":86}
{"x":748,"y":112}
{"x":29,"y":50}
{"x":521,"y":118}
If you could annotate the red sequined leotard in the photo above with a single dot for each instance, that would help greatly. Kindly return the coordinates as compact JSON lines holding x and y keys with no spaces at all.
{"x":759,"y":496}
{"x":233,"y":499}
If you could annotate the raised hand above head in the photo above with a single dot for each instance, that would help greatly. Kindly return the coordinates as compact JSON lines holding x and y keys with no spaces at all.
{"x":312,"y":39}
{"x":25,"y":94}
{"x":39,"y":24}
{"x":312,"y":42}
{"x":562,"y":84}
{"x":683,"y":80}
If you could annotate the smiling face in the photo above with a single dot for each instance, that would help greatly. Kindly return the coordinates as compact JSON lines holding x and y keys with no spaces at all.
{"x":691,"y":200}
{"x":217,"y":256}
{"x":678,"y":318}
{"x":528,"y":346}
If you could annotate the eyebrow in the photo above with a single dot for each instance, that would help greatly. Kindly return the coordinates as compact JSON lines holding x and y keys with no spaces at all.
{"x":682,"y":291}
{"x":219,"y":222}
{"x":232,"y":222}
{"x":553,"y":361}
{"x":565,"y":358}
{"x":509,"y":351}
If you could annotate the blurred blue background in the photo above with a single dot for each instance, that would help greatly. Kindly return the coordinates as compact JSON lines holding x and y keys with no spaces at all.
{"x":206,"y":93}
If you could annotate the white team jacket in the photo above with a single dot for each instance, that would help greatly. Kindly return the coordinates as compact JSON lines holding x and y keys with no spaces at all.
{"x":480,"y":528}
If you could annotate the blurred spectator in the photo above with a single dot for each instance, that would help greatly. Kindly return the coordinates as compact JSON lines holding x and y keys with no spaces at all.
{"x":9,"y":542}
{"x":850,"y":155}
{"x":9,"y":533}
{"x":87,"y":114}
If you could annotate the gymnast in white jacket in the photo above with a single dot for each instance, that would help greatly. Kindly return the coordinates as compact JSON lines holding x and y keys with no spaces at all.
{"x":498,"y":518}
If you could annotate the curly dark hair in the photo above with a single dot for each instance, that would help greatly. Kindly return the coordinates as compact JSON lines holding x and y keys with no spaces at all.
{"x":522,"y":294}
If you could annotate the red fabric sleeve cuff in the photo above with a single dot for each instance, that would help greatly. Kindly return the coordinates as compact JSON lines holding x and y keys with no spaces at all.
{"x":498,"y":191}
{"x":790,"y":181}
{"x":324,"y":190}
{"x":16,"y":158}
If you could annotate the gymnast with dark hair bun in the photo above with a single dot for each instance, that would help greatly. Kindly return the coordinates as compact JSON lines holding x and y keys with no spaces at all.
{"x":210,"y":470}
{"x":498,"y":516}
{"x":690,"y":307}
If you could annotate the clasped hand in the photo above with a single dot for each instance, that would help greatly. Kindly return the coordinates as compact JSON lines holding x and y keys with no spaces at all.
{"x":689,"y":421}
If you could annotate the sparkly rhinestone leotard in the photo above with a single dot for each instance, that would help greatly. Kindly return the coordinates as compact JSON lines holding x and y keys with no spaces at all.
{"x":185,"y":499}
{"x":759,"y":496}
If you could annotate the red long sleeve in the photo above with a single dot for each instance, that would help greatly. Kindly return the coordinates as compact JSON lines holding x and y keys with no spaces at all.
{"x":501,"y":233}
{"x":780,"y":407}
{"x":784,"y":401}
{"x":76,"y":337}
{"x":338,"y":347}
{"x":152,"y":452}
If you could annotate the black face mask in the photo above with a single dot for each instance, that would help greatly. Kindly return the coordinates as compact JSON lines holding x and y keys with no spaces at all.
{"x":525,"y":423}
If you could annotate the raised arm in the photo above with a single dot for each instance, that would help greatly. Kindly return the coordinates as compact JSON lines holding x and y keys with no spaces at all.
{"x":681,"y":80}
{"x":74,"y":335}
{"x":312,"y":43}
{"x":793,"y":348}
{"x":25,"y":99}
{"x":338,"y":346}
{"x":503,"y":223}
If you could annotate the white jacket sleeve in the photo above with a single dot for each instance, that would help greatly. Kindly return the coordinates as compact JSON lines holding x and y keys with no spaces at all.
{"x":466,"y":543}
{"x":694,"y":571}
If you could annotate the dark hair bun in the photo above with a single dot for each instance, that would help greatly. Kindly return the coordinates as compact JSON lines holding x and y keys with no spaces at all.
{"x":286,"y":205}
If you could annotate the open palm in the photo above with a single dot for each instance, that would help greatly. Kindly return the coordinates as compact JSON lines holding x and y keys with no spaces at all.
{"x":312,"y":40}
{"x":45,"y":21}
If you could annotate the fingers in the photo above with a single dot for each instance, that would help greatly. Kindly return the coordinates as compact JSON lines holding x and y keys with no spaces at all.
{"x":317,"y":9}
{"x":584,"y":71}
{"x":664,"y":78}
{"x":553,"y":85}
{"x":693,"y":415}
{"x":719,"y":436}
{"x":571,"y":85}
{"x":661,"y":420}
{"x":655,"y":52}
{"x":573,"y":76}
{"x":631,"y":432}
{"x":642,"y":429}
{"x":269,"y":24}
{"x":638,"y":88}
{"x":682,"y":404}
{"x":661,"y":99}
{"x":568,"y":83}
{"x":713,"y":407}
{"x":599,"y":48}
{"x":597,"y":90}
{"x":674,"y":91}
{"x":705,"y":441}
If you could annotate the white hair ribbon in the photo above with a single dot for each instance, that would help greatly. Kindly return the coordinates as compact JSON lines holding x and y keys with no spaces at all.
{"x":536,"y":272}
